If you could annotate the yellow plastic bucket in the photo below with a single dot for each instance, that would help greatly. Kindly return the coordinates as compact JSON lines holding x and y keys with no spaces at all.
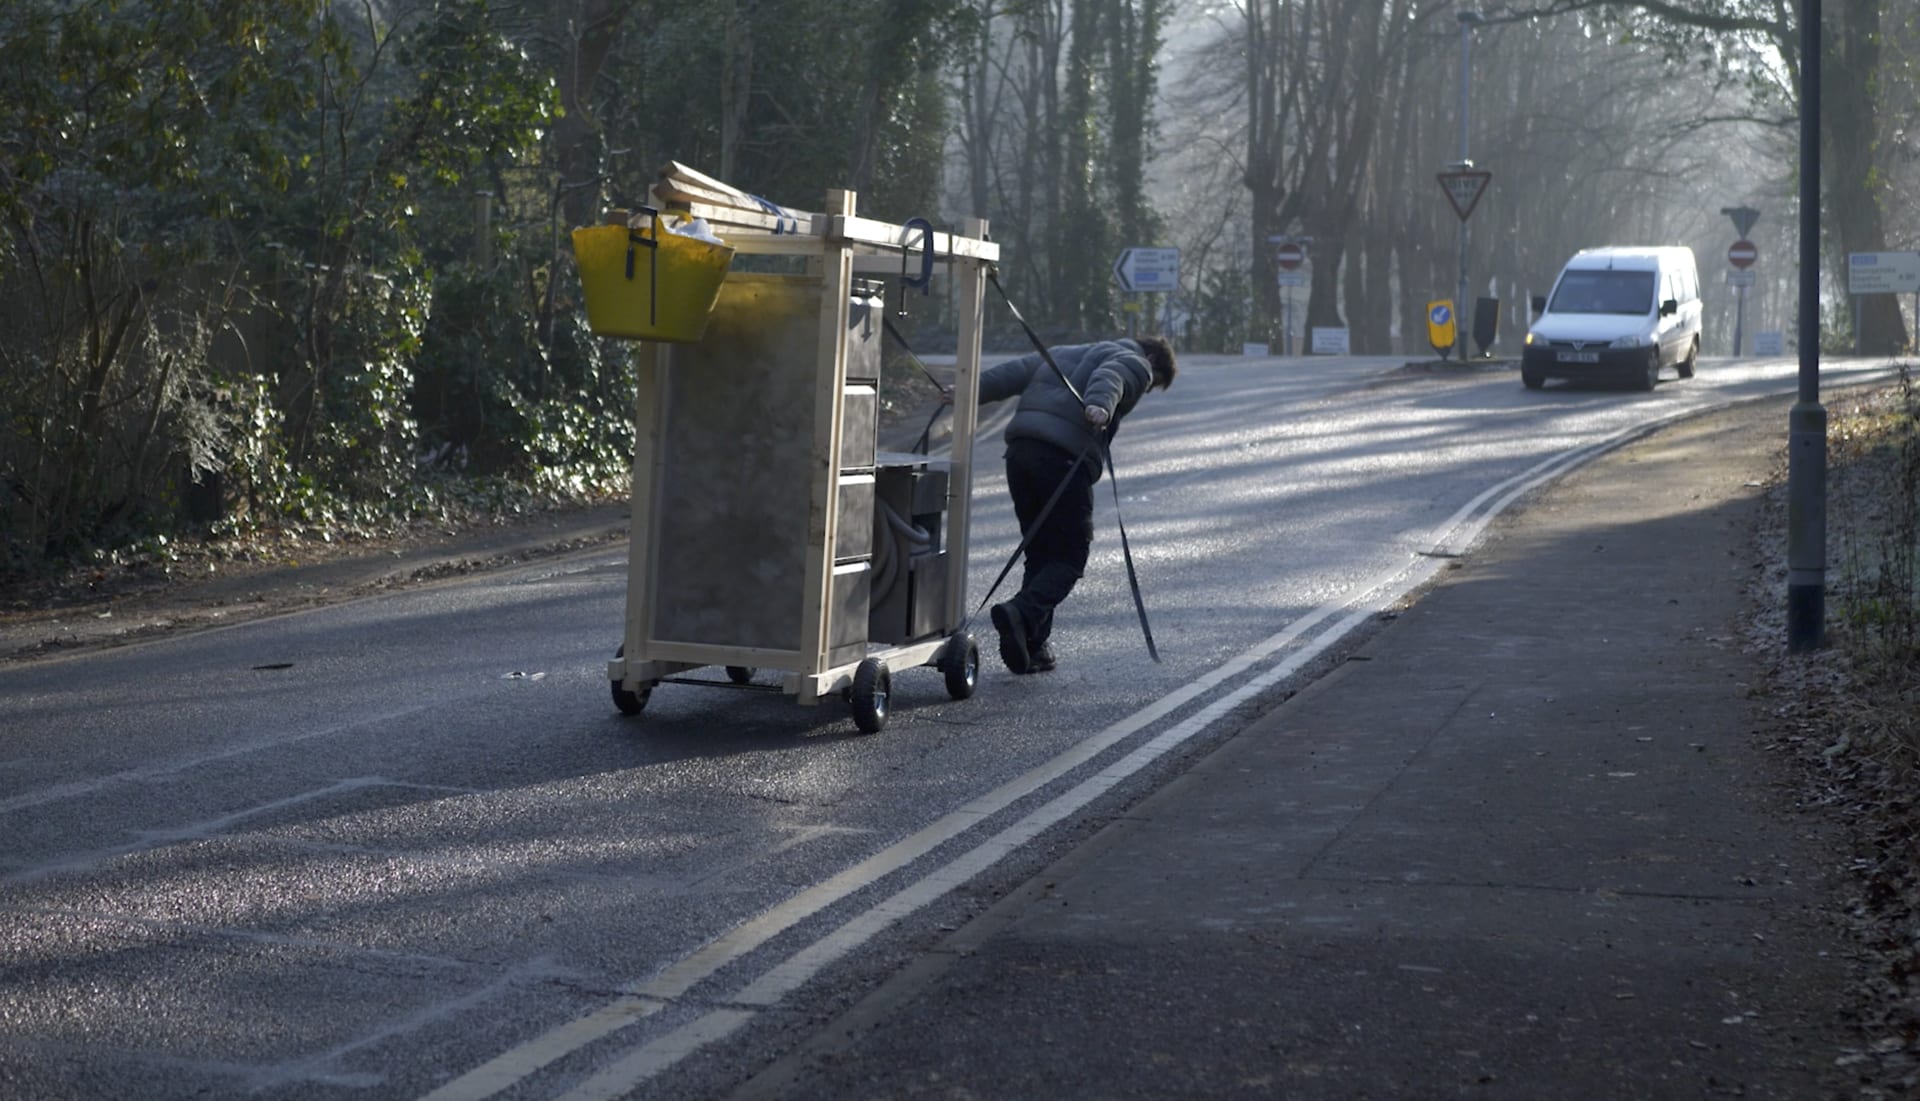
{"x":643,"y":284}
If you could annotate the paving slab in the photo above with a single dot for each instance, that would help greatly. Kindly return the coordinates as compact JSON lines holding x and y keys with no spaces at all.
{"x":1524,"y":843}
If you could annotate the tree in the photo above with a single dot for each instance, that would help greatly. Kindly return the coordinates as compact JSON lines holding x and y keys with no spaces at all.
{"x":1854,"y":173}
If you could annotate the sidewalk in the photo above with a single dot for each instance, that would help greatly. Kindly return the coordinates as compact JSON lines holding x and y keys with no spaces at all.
{"x":1526,"y":843}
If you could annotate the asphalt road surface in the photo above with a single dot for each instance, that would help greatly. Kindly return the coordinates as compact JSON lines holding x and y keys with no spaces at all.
{"x":404,"y":847}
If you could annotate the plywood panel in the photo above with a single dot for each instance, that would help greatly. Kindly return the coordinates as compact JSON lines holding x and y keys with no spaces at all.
{"x":735,"y":465}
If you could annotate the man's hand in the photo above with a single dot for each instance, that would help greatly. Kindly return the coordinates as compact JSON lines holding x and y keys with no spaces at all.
{"x":946,"y":395}
{"x":1097,"y":416}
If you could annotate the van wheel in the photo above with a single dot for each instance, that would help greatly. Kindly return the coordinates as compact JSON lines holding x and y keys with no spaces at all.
{"x":1686,"y":365}
{"x":1530,"y":380}
{"x":1650,"y":378}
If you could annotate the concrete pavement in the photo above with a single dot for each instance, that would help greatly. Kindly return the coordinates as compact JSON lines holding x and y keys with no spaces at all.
{"x":1526,"y":842}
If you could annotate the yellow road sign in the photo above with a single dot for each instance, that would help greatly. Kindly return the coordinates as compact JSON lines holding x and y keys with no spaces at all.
{"x":1441,"y":328}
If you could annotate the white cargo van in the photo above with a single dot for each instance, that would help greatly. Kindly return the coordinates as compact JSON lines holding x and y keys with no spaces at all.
{"x":1617,"y":314}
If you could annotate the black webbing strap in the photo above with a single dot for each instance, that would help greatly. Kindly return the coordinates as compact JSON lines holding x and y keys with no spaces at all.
{"x":921,"y":446}
{"x":1026,"y":539}
{"x":1113,"y":479}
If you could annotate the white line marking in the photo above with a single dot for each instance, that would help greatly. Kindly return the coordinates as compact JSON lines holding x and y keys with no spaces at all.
{"x":645,"y":1062}
{"x":651,"y":1058}
{"x":770,"y":989}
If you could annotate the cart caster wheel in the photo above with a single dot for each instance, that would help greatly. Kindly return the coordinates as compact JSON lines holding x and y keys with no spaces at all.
{"x":872,"y":687}
{"x":739,"y":674}
{"x":959,"y":663}
{"x":629,"y":703}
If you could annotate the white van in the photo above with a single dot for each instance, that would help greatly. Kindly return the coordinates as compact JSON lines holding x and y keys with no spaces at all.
{"x":1618,"y":314}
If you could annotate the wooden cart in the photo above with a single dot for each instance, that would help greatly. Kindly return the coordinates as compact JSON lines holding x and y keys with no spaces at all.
{"x":770,"y":532}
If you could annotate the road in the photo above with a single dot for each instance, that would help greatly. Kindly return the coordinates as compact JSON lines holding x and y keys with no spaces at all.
{"x":405,"y":847}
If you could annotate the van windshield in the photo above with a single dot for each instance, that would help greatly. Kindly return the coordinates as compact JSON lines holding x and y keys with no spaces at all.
{"x":1590,"y":291}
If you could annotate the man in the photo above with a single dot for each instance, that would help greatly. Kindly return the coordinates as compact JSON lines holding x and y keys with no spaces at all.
{"x":1052,"y":444}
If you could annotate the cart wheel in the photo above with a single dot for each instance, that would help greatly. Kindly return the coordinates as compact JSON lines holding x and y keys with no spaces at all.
{"x":872,"y":685}
{"x":739,"y":674}
{"x":959,"y":663}
{"x":629,"y":703}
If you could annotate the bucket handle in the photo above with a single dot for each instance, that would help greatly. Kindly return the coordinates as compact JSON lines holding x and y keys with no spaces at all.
{"x":652,"y":245}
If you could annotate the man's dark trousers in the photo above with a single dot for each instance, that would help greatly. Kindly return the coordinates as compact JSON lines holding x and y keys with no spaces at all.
{"x":1057,"y":554}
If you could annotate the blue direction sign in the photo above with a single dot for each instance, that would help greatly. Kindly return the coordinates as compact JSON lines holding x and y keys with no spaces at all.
{"x":1148,"y":269}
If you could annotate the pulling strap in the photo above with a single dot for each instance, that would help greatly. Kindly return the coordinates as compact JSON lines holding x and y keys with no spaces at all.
{"x":1113,"y":479}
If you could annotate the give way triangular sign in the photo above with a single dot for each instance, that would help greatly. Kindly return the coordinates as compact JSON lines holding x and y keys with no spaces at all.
{"x":1464,"y":189}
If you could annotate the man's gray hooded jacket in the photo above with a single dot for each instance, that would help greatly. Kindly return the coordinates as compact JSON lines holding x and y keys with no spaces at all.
{"x":1111,"y":374}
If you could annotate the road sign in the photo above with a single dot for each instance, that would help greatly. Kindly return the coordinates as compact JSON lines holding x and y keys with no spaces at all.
{"x":1331,"y":342}
{"x":1290,"y":256}
{"x":1883,"y":273}
{"x":1742,"y":254}
{"x":1741,"y":278}
{"x":1292,"y":278}
{"x":1464,"y":188}
{"x":1440,"y":325}
{"x":1743,"y":218}
{"x":1148,"y":269}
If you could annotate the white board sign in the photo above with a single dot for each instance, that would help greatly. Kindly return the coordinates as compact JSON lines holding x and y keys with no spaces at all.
{"x":1769,"y":342}
{"x":1148,"y":269}
{"x":1329,"y":342}
{"x":1293,"y":278}
{"x":1741,"y":278}
{"x":1883,"y":272}
{"x":1253,"y":350}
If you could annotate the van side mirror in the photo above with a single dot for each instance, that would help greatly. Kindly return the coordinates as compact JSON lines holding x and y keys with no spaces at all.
{"x":1669,"y":307}
{"x":1539,"y":303}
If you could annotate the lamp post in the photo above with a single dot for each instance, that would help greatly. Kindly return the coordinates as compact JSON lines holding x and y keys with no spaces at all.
{"x":1807,"y":421}
{"x":1468,"y":20}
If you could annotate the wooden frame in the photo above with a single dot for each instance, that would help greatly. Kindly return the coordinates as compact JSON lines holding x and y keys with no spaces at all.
{"x":835,"y":244}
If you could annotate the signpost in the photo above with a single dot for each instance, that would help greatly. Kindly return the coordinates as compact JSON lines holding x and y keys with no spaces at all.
{"x":1464,"y":184}
{"x":1741,"y":254}
{"x":1288,"y":256}
{"x":1144,"y":270}
{"x":1881,"y":273}
{"x":1139,"y":270}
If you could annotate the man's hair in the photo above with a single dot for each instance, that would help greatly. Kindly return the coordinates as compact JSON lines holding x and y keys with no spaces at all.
{"x":1160,"y":360}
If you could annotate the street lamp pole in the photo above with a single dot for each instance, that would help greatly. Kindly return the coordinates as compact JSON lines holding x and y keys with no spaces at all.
{"x":1807,"y":421}
{"x":1468,"y":19}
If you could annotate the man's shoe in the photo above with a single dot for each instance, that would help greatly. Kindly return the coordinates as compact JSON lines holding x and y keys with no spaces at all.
{"x":1013,"y":637}
{"x":1042,"y":659}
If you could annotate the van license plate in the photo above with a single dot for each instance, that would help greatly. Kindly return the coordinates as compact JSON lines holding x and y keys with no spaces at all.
{"x":1579,"y":357}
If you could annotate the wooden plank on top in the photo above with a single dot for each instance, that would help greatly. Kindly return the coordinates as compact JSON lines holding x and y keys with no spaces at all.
{"x":735,"y":218}
{"x":868,"y":231}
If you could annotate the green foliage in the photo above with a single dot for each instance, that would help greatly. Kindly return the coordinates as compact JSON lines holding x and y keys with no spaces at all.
{"x":239,"y":266}
{"x":214,"y":218}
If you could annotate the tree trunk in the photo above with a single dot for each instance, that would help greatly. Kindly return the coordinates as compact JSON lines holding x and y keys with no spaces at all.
{"x":736,"y":84}
{"x":1855,"y":189}
{"x":576,"y":136}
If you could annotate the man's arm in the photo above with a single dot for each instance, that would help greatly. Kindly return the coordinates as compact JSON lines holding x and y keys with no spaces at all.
{"x":1007,"y":379}
{"x":1117,"y":382}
